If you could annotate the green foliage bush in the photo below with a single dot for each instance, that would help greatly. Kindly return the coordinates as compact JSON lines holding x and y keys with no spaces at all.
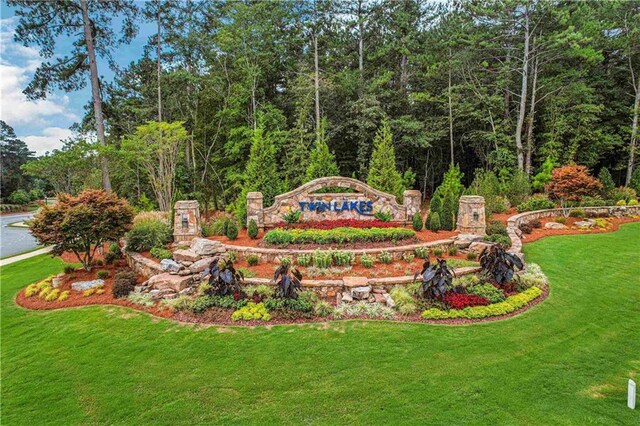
{"x":102,"y":274}
{"x":503,"y":240}
{"x":536,"y":202}
{"x":289,"y":304}
{"x":343,"y":258}
{"x":437,"y":251}
{"x":367,"y":261}
{"x":433,"y":222}
{"x":382,"y":216}
{"x":336,"y":236}
{"x":303,"y":260}
{"x":232,"y":230}
{"x":623,"y":193}
{"x":417,"y":222}
{"x":544,"y":177}
{"x":487,"y":185}
{"x":577,"y":213}
{"x":385,"y":257}
{"x":146,"y":234}
{"x":452,"y":250}
{"x":252,"y":311}
{"x":472,"y":255}
{"x":606,"y":180}
{"x":68,"y":268}
{"x":421,"y":252}
{"x":19,"y":196}
{"x":323,"y":309}
{"x":252,"y":230}
{"x":114,"y":253}
{"x":253,"y":259}
{"x":123,"y":283}
{"x":517,"y":188}
{"x":161,"y":253}
{"x":488,"y":291}
{"x":293,"y":216}
{"x":588,"y":201}
{"x":285,"y":260}
{"x":322,"y":259}
{"x":510,"y":304}
{"x":496,"y":227}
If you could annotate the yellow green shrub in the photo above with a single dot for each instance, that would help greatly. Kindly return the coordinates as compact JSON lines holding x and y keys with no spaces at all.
{"x":52,"y":295}
{"x":63,"y":296}
{"x":250,"y":312}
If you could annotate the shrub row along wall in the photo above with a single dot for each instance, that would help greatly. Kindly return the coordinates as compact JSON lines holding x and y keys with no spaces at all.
{"x":515,"y":221}
{"x":271,"y":254}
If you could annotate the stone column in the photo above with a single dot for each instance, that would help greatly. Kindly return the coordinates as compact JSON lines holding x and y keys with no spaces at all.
{"x":254,"y":209}
{"x":411,"y":200}
{"x":186,"y":221}
{"x":471,"y":217}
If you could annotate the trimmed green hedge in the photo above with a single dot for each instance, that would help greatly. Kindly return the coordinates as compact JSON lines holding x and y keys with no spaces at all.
{"x":510,"y":304}
{"x":336,"y":235}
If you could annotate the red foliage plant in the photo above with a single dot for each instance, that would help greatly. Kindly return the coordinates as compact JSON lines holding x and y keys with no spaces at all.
{"x":82,"y":224}
{"x":571,"y":183}
{"x":461,"y":301}
{"x":338,"y":223}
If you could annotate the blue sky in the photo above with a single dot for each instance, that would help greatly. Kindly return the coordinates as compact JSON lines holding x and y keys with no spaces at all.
{"x":44,"y":123}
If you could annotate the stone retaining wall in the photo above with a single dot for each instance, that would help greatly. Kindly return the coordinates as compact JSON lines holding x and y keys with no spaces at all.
{"x":515,"y":221}
{"x":271,"y":254}
{"x":141,"y":265}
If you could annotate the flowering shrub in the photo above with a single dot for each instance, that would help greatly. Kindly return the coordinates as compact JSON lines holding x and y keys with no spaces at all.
{"x":461,"y":301}
{"x":336,"y":235}
{"x":338,"y":223}
{"x":510,"y":304}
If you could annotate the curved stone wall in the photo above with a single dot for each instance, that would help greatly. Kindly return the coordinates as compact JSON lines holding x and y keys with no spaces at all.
{"x":515,"y":221}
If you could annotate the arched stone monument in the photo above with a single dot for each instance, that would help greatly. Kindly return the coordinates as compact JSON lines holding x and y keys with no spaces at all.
{"x":471,"y":215}
{"x":314,"y":204}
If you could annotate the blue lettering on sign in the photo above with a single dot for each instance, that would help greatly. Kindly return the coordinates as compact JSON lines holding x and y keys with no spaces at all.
{"x":364,"y":208}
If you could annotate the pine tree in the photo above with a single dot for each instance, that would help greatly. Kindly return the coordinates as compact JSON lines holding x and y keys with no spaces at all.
{"x":606,"y":180}
{"x":417,"y":221}
{"x":635,"y":180}
{"x":383,"y":174}
{"x":261,"y":173}
{"x":322,"y":162}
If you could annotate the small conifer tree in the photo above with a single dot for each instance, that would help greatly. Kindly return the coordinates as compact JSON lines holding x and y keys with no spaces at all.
{"x":449,"y":211}
{"x":232,"y":230}
{"x":435,"y":207}
{"x":606,"y":180}
{"x":252,"y":230}
{"x":383,"y":174}
{"x":434,"y":221}
{"x":322,"y":162}
{"x":417,"y":221}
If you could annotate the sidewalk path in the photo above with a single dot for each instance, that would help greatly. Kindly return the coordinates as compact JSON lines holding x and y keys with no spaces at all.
{"x":24,"y":256}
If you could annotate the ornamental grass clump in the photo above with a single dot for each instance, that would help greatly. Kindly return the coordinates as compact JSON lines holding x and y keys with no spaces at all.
{"x":343,"y":258}
{"x":385,"y":257}
{"x":421,"y":252}
{"x":367,"y":260}
{"x":322,"y":259}
{"x":303,"y":260}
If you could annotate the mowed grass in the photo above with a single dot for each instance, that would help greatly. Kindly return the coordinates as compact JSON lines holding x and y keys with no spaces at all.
{"x":565,"y":361}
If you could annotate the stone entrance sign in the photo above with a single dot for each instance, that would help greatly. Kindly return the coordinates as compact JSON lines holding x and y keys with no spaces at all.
{"x":362,"y":203}
{"x":186,"y":221}
{"x":471,"y":217}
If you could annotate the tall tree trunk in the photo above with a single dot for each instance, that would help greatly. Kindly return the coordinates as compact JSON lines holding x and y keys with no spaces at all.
{"x":159,"y":68}
{"x":531,"y":118}
{"x":316,"y":68}
{"x":360,"y":40}
{"x":523,"y":92}
{"x":634,"y":134}
{"x":450,"y":112}
{"x":95,"y":92}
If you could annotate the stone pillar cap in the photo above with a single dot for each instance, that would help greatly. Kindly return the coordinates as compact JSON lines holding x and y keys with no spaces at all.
{"x":472,"y":199}
{"x":254,"y":194}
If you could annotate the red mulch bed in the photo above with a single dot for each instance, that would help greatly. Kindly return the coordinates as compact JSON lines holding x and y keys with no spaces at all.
{"x":538,"y":233}
{"x":77,"y":299}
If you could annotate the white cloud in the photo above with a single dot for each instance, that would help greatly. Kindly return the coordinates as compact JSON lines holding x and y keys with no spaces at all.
{"x":49,"y":140}
{"x":17,"y":65}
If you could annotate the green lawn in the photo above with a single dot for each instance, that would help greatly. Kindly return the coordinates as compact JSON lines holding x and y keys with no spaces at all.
{"x":566,"y":361}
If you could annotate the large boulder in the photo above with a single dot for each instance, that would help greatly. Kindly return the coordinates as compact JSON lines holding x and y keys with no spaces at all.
{"x":587,"y":223}
{"x":205,"y":247}
{"x":169,"y":281}
{"x":86,"y":285}
{"x":200,"y":265}
{"x":478,"y":246}
{"x":185,"y":254}
{"x":361,"y":293}
{"x":463,"y":241}
{"x":170,"y":265}
{"x":554,"y":225}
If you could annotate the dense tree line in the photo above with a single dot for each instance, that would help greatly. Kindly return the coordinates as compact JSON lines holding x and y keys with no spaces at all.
{"x":497,"y":85}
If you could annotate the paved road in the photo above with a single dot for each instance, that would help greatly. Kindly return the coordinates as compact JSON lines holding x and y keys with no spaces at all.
{"x":15,"y":240}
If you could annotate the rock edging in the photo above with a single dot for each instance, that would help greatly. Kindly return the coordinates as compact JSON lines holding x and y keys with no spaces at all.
{"x":515,"y":221}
